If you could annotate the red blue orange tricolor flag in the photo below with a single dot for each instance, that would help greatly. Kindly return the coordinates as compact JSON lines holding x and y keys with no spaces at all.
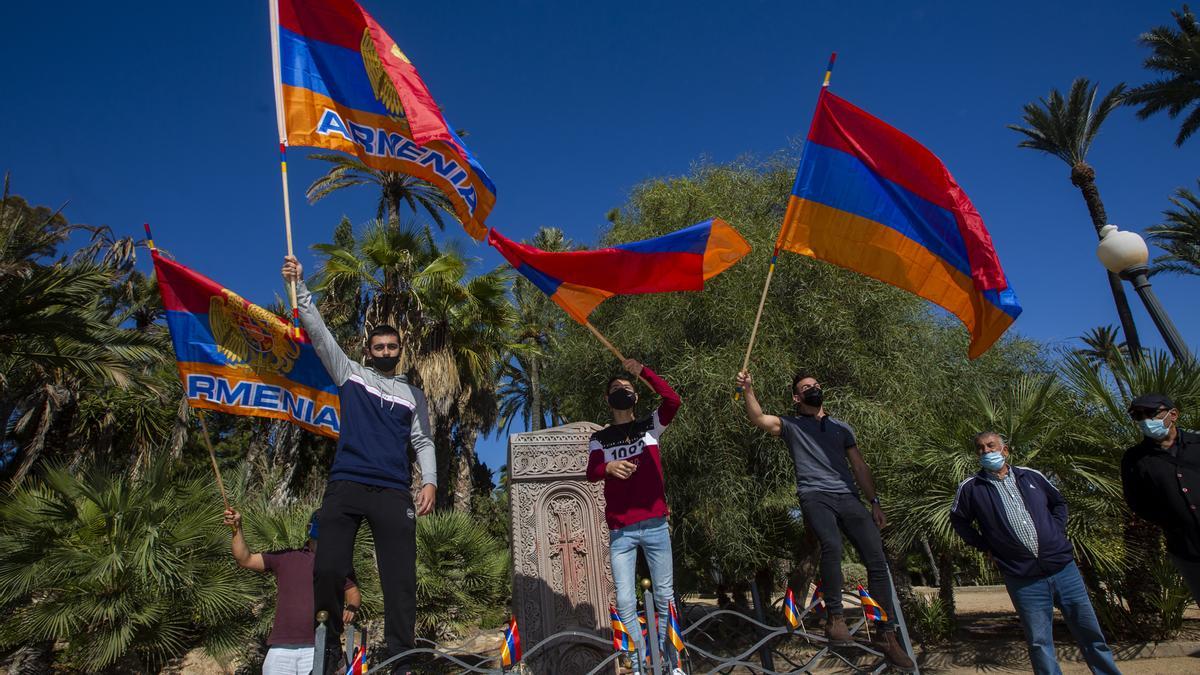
{"x":238,"y":358}
{"x":621,"y":640}
{"x":578,"y":281}
{"x":817,"y":602}
{"x":790,"y":611}
{"x":871,"y":609}
{"x":873,"y":200}
{"x":342,"y":83}
{"x":675,"y":634}
{"x":510,"y":649}
{"x":358,"y":665}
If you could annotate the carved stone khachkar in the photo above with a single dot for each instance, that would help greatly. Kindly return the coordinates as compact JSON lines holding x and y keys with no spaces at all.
{"x":561,"y":574}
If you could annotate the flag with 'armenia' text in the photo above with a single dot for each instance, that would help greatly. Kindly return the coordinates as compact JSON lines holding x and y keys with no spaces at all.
{"x":342,"y":83}
{"x":238,"y":358}
{"x":873,"y":200}
{"x":578,"y":281}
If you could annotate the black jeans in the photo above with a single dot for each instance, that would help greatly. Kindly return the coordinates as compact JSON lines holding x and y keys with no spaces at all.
{"x":393,"y":520}
{"x":829,"y":514}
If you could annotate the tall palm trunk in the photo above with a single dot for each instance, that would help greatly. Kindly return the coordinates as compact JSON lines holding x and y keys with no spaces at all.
{"x":464,"y":481}
{"x":1083,"y":177}
{"x":535,"y":397}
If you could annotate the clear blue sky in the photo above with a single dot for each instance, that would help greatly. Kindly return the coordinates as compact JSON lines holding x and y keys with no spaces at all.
{"x":163,"y":112}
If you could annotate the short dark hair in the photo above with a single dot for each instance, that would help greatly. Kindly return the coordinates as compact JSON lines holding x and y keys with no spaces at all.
{"x":623,"y":377}
{"x":988,"y":434}
{"x":800,"y":375}
{"x":381,"y":329}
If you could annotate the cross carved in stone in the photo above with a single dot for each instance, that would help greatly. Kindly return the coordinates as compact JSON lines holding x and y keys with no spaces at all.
{"x":570,"y":544}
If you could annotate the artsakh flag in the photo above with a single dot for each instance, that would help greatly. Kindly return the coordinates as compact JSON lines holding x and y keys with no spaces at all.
{"x":238,"y":358}
{"x":621,"y":640}
{"x":790,"y":612}
{"x":578,"y":281}
{"x":342,"y":83}
{"x":871,"y":609}
{"x":510,"y":649}
{"x":873,"y":200}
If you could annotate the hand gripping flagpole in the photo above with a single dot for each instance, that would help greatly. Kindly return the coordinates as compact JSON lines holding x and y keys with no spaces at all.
{"x":616,"y":352}
{"x":771,"y":270}
{"x":212,"y":456}
{"x":281,"y":123}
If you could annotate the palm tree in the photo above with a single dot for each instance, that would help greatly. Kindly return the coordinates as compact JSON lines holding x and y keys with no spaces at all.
{"x":125,"y":574}
{"x":1176,"y":54}
{"x":538,"y":323}
{"x":1179,"y":236}
{"x":394,"y":189}
{"x":1065,"y":127}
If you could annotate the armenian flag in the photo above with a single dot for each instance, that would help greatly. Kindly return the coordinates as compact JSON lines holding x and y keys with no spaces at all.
{"x":871,"y":609}
{"x":675,"y":633}
{"x":578,"y":281}
{"x":817,"y":601}
{"x":510,"y":650}
{"x":342,"y":83}
{"x":875,"y":201}
{"x":789,"y":609}
{"x":238,"y":358}
{"x":621,"y":640}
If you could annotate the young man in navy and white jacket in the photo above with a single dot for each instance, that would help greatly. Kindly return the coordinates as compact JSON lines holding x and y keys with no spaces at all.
{"x":381,"y":413}
{"x":1016,"y":516}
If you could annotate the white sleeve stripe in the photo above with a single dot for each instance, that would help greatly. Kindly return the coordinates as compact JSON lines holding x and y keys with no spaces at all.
{"x":379,"y":393}
{"x":958,"y":493}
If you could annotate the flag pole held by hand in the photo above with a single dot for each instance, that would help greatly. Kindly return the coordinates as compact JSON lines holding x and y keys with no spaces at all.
{"x":616,"y":352}
{"x":212,"y":456}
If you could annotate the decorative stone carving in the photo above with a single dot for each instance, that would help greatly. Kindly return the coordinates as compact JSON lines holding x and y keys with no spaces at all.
{"x":561,"y":575}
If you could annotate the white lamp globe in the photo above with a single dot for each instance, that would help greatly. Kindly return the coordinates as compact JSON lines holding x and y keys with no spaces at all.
{"x":1118,"y":251}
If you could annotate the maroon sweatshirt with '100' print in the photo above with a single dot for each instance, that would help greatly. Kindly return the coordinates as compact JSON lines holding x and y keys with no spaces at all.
{"x":641,"y":496}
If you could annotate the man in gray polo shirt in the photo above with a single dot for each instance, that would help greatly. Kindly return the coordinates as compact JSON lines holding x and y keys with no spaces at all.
{"x":828,"y":462}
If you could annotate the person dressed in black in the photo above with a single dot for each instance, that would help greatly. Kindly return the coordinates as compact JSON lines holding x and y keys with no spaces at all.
{"x":829,"y":472}
{"x":1161,"y":480}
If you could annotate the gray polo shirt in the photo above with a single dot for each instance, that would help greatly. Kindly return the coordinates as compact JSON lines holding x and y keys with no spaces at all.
{"x":818,"y":449}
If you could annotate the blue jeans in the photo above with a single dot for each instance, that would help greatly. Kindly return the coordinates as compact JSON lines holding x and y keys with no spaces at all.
{"x":655,"y":540}
{"x":1035,"y":600}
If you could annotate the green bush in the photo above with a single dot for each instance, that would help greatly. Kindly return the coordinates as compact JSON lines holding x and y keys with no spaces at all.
{"x":931,"y":619}
{"x":121,"y":571}
{"x":462,"y":575}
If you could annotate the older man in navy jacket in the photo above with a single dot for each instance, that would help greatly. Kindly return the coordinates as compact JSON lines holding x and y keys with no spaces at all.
{"x":1016,"y":516}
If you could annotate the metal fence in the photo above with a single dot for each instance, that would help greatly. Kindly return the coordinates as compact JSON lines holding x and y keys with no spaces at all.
{"x":716,"y":641}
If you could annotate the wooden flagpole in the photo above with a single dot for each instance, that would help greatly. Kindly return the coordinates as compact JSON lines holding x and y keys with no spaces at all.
{"x":616,"y":352}
{"x":212,"y":456}
{"x":771,"y":270}
{"x":281,"y":123}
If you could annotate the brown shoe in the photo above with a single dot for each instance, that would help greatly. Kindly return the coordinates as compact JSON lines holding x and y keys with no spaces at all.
{"x":886,"y":642}
{"x":836,"y":631}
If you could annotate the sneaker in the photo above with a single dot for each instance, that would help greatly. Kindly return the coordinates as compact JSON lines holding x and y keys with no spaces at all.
{"x":886,"y":642}
{"x":836,"y":631}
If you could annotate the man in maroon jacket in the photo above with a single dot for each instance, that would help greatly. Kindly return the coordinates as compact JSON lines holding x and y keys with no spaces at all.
{"x":625,"y":456}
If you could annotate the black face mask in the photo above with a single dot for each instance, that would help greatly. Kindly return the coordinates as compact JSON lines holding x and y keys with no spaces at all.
{"x":384,"y":364}
{"x":813,"y":397}
{"x":621,"y":399}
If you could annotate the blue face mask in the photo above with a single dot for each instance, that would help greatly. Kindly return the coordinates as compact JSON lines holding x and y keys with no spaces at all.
{"x":1154,"y":428}
{"x":992,"y":461}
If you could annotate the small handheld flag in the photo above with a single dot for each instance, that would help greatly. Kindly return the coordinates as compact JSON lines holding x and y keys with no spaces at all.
{"x":621,"y":640}
{"x":789,"y":609}
{"x":510,"y":650}
{"x":871,"y":609}
{"x":817,"y":602}
{"x":675,"y":635}
{"x":358,"y":665}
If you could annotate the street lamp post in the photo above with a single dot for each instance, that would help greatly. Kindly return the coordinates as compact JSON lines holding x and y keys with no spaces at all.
{"x":1125,"y":254}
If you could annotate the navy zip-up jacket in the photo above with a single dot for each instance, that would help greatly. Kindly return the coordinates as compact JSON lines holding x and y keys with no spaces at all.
{"x":381,"y":415}
{"x":978,"y":516}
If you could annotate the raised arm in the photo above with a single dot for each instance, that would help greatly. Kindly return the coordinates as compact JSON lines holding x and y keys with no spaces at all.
{"x":670,"y":400}
{"x":768,"y":423}
{"x":336,"y":363}
{"x":241,"y":552}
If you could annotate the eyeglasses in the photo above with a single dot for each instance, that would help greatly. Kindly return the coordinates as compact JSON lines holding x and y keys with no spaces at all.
{"x":1139,"y":414}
